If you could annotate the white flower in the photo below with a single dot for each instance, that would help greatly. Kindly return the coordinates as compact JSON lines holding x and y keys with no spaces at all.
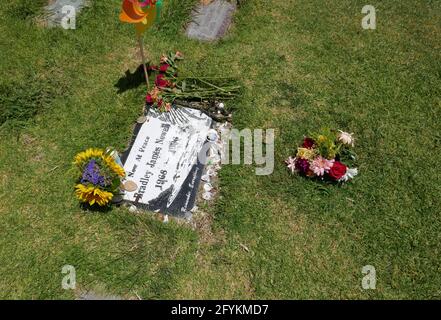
{"x":346,"y":138}
{"x":291,"y":164}
{"x":350,"y":173}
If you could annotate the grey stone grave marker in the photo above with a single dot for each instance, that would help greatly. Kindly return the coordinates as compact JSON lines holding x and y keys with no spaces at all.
{"x":54,"y":11}
{"x":210,"y":22}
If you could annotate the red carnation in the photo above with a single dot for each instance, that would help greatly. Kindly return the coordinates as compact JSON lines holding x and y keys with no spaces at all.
{"x":161,"y":81}
{"x":338,"y":170}
{"x":164,"y":67}
{"x":149,"y":99}
{"x":308,"y":143}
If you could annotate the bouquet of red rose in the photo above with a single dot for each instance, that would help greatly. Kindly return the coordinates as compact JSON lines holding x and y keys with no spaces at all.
{"x":169,"y":86}
{"x":325,"y":155}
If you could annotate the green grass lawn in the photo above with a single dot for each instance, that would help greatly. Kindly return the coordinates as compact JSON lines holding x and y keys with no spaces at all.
{"x":304,"y":64}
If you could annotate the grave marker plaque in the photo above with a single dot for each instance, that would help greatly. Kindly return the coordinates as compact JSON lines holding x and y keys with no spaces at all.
{"x":55,"y":13}
{"x":211,"y":22}
{"x":163,"y":160}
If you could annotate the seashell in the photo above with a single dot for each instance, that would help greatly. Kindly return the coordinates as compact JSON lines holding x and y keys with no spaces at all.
{"x":207,"y":196}
{"x":130,"y":186}
{"x":212,"y":135}
{"x":141,"y":119}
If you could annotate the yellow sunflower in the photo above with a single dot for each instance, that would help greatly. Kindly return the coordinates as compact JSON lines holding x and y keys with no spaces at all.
{"x":85,"y":156}
{"x":92,"y":195}
{"x":110,"y":162}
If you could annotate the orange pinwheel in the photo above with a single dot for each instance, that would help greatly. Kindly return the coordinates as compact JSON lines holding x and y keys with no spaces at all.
{"x":133,"y":12}
{"x":141,"y":13}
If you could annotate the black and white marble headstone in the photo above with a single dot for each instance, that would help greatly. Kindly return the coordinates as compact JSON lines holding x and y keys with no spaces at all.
{"x":210,"y":22}
{"x":163,"y":161}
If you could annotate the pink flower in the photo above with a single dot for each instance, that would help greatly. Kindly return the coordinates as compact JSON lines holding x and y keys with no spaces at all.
{"x":291,"y":164}
{"x":321,"y":165}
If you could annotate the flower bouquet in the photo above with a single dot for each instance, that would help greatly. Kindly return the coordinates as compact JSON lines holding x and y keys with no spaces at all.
{"x":169,"y":86}
{"x":99,"y":177}
{"x":326,"y":155}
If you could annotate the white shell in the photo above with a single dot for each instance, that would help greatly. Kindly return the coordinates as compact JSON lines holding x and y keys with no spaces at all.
{"x":141,"y":119}
{"x":207,"y":196}
{"x":211,"y":173}
{"x":212,"y":135}
{"x":188,"y":216}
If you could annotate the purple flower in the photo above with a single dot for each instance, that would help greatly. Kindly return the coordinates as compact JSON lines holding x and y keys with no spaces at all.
{"x":302,"y":165}
{"x":91,"y":174}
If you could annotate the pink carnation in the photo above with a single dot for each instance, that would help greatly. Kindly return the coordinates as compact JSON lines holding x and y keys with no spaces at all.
{"x":321,"y":165}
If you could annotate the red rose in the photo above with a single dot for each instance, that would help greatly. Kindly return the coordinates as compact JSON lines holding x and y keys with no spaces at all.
{"x":164,"y":67}
{"x":338,"y":170}
{"x":161,"y":81}
{"x":308,"y":143}
{"x":149,"y":99}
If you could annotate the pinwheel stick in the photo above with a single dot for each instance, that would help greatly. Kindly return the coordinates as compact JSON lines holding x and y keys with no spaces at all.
{"x":141,"y":47}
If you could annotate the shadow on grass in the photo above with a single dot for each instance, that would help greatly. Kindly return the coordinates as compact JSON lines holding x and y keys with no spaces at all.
{"x":95,"y":208}
{"x":131,"y":80}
